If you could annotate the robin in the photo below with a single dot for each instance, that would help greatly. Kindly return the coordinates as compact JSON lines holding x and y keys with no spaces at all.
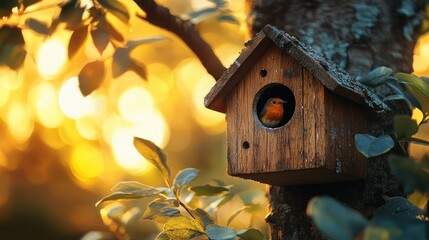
{"x":272,"y":113}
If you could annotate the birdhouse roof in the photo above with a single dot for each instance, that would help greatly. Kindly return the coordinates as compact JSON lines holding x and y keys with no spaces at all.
{"x":330,"y":74}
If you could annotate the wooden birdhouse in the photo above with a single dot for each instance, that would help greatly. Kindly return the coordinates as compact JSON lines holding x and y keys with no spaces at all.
{"x":323,"y":109}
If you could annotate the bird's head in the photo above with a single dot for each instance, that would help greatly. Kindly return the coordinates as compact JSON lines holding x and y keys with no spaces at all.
{"x":275,"y":102}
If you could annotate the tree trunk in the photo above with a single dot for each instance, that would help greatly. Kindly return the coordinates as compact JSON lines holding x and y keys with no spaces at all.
{"x":358,"y":37}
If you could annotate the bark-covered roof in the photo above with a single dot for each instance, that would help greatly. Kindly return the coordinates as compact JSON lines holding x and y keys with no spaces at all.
{"x":329,"y":73}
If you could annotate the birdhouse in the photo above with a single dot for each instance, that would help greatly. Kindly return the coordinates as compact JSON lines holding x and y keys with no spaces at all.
{"x":322,"y":109}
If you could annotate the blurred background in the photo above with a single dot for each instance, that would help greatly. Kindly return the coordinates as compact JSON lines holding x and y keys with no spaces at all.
{"x":61,"y":152}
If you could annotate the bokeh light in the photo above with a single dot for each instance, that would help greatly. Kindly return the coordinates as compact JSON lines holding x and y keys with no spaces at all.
{"x":51,"y":58}
{"x":134,"y":104}
{"x":125,"y":153}
{"x":87,"y":163}
{"x":213,"y":122}
{"x":48,"y":111}
{"x":10,"y":79}
{"x":72,"y":102}
{"x":20,"y":122}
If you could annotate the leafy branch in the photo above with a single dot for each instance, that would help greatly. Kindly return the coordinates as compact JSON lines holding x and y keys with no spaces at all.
{"x":93,"y":20}
{"x":185,"y":30}
{"x":165,"y":208}
{"x":416,"y":95}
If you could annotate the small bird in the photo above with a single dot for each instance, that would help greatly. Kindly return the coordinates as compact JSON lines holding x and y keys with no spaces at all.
{"x":272,"y":113}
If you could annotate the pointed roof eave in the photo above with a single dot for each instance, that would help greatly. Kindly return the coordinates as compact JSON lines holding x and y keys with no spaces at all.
{"x":215,"y":99}
{"x":330,"y":74}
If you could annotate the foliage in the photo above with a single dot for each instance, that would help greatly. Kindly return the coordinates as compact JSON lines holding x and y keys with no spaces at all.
{"x":180,"y":220}
{"x":96,"y":21}
{"x":416,"y":96}
{"x":398,"y":218}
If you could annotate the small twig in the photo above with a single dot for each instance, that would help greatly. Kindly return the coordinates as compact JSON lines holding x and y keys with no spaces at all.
{"x":160,"y":16}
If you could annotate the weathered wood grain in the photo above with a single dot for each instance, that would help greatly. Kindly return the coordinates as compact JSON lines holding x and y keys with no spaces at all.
{"x":315,"y":146}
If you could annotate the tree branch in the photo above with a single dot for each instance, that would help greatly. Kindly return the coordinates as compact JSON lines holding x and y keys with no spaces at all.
{"x":160,"y":16}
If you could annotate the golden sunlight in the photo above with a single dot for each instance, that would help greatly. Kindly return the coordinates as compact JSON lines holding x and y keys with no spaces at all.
{"x":87,"y":163}
{"x":213,"y":122}
{"x":88,"y":128}
{"x":51,"y":58}
{"x":10,"y":79}
{"x":134,"y":104}
{"x":154,"y":127}
{"x":19,"y":120}
{"x":198,"y":4}
{"x":72,"y":102}
{"x":421,"y":53}
{"x":4,"y":96}
{"x":125,"y":154}
{"x":45,"y":98}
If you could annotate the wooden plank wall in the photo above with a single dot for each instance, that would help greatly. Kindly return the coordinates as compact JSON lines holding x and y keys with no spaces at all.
{"x":315,"y":146}
{"x":269,"y":150}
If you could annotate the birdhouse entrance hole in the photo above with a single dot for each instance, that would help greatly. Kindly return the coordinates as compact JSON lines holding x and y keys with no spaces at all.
{"x":275,"y":90}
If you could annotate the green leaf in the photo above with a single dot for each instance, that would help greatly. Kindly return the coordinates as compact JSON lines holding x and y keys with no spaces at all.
{"x":135,"y":194}
{"x":228,"y":18}
{"x":200,"y":15}
{"x":399,"y":206}
{"x":91,"y":76}
{"x":160,"y":210}
{"x":184,"y":177}
{"x":371,"y":146}
{"x":214,"y":206}
{"x":208,"y":190}
{"x":394,"y":97}
{"x":404,"y":126}
{"x":218,"y":3}
{"x":421,"y":98}
{"x":203,"y":217}
{"x":100,"y":37}
{"x":250,"y":234}
{"x":77,"y":39}
{"x":131,"y":44}
{"x":114,"y":33}
{"x":131,"y":216}
{"x":249,"y":197}
{"x":216,"y":232}
{"x":415,"y":81}
{"x":162,"y":236}
{"x":139,"y":68}
{"x":334,"y":219}
{"x":133,"y":187}
{"x":409,"y":98}
{"x":182,"y":228}
{"x":71,"y":14}
{"x":396,"y":228}
{"x":12,"y":47}
{"x":411,"y":173}
{"x":376,"y":76}
{"x":153,"y":154}
{"x":121,"y":62}
{"x":113,"y":211}
{"x":235,"y":214}
{"x":116,"y":8}
{"x":38,"y":26}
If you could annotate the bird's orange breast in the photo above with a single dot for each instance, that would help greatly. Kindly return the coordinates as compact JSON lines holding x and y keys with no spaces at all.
{"x":274,"y":112}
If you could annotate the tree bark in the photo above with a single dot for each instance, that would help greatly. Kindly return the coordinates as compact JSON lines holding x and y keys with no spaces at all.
{"x":358,"y":36}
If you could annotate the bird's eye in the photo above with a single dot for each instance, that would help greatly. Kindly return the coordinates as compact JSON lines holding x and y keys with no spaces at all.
{"x":274,"y":101}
